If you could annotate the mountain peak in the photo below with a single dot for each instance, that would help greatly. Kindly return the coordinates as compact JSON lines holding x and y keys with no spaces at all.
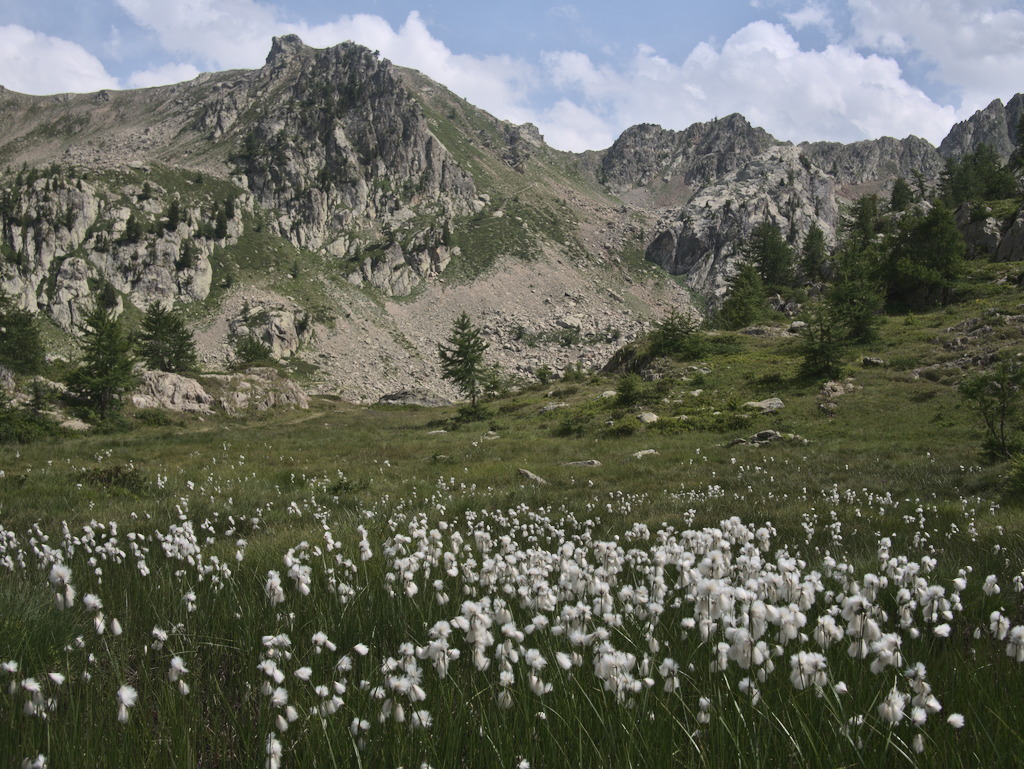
{"x":284,"y":48}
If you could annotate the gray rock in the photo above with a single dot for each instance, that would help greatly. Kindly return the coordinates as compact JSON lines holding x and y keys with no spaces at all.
{"x":553,"y":407}
{"x":644,"y":453}
{"x":413,"y":397}
{"x":584,"y":463}
{"x":164,"y":390}
{"x":647,"y":417}
{"x":766,"y":406}
{"x":1011,"y":245}
{"x":869,"y":362}
{"x":532,"y":477}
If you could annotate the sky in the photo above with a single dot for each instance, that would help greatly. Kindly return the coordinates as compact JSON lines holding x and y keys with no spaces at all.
{"x":837,"y":70}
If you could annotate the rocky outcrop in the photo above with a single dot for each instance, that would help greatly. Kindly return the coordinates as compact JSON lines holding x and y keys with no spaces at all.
{"x":342,"y":142}
{"x":173,"y":392}
{"x":875,"y":162}
{"x":281,"y":328}
{"x":702,"y":240}
{"x":1011,"y":244}
{"x":700,"y":154}
{"x":256,"y":389}
{"x":66,"y":237}
{"x":996,"y":126}
{"x":395,"y":273}
{"x":981,"y":231}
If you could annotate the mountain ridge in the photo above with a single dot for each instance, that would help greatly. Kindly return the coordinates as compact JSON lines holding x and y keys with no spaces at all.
{"x":368,"y":203}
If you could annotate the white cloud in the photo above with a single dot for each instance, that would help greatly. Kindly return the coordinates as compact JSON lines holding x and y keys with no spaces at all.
{"x":975,"y":46}
{"x":31,"y":62}
{"x":761,"y":72}
{"x":168,"y":73}
{"x":568,"y":126}
{"x":813,"y":14}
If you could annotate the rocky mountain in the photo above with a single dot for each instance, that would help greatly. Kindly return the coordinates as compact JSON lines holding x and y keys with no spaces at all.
{"x":344,"y":211}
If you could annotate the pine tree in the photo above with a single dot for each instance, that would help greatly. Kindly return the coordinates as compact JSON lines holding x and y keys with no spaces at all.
{"x":165,"y":342}
{"x":106,"y":372}
{"x":768,"y":249}
{"x":21,"y":347}
{"x":745,"y":302}
{"x":463,"y":356}
{"x":813,"y":253}
{"x":902,"y":196}
{"x":924,"y":260}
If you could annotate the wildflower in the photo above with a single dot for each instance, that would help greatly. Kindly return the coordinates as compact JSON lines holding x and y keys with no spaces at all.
{"x":991,"y":587}
{"x":361,"y":649}
{"x":956,"y":720}
{"x":918,"y":743}
{"x":274,"y":590}
{"x":60,"y":578}
{"x":807,"y":668}
{"x":274,"y":750}
{"x":304,"y":673}
{"x":891,"y":708}
{"x":421,"y":719}
{"x":279,"y":697}
{"x":1015,"y":646}
{"x":126,"y":698}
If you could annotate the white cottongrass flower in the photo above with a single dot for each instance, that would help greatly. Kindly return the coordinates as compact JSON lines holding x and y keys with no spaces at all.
{"x":807,"y":669}
{"x":39,"y":762}
{"x":60,"y":578}
{"x":1015,"y":644}
{"x":991,"y":587}
{"x":127,"y":696}
{"x":361,"y":649}
{"x":274,"y":750}
{"x":956,"y":720}
{"x":421,"y":719}
{"x":304,"y":673}
{"x":274,"y":590}
{"x":891,"y":709}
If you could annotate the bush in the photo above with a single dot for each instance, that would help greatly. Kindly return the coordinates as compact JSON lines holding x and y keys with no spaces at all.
{"x":998,"y":398}
{"x":250,"y":351}
{"x":677,"y":336}
{"x":20,"y":425}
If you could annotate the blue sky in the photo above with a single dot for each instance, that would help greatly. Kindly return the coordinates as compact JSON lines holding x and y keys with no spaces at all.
{"x":839,"y":70}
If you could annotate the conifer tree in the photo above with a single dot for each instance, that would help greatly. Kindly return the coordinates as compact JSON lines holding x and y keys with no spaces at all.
{"x":463,"y":357}
{"x":106,"y":372}
{"x":21,"y":348}
{"x":165,"y":342}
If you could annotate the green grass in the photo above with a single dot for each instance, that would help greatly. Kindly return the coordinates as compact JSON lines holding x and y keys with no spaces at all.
{"x":897,"y":465}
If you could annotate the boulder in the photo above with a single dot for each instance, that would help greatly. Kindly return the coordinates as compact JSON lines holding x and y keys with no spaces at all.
{"x":647,"y":417}
{"x":1011,"y":245}
{"x":413,"y":397}
{"x":164,"y":390}
{"x":533,"y":477}
{"x":766,"y":406}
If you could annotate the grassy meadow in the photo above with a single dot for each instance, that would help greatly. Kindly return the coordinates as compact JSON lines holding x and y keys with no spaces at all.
{"x":381,"y":587}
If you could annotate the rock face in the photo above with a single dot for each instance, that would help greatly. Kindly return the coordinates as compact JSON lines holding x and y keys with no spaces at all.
{"x":1011,"y":244}
{"x":66,"y":237}
{"x":355,"y":152}
{"x":703,"y":152}
{"x":875,"y":161}
{"x":703,"y":238}
{"x":995,"y":126}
